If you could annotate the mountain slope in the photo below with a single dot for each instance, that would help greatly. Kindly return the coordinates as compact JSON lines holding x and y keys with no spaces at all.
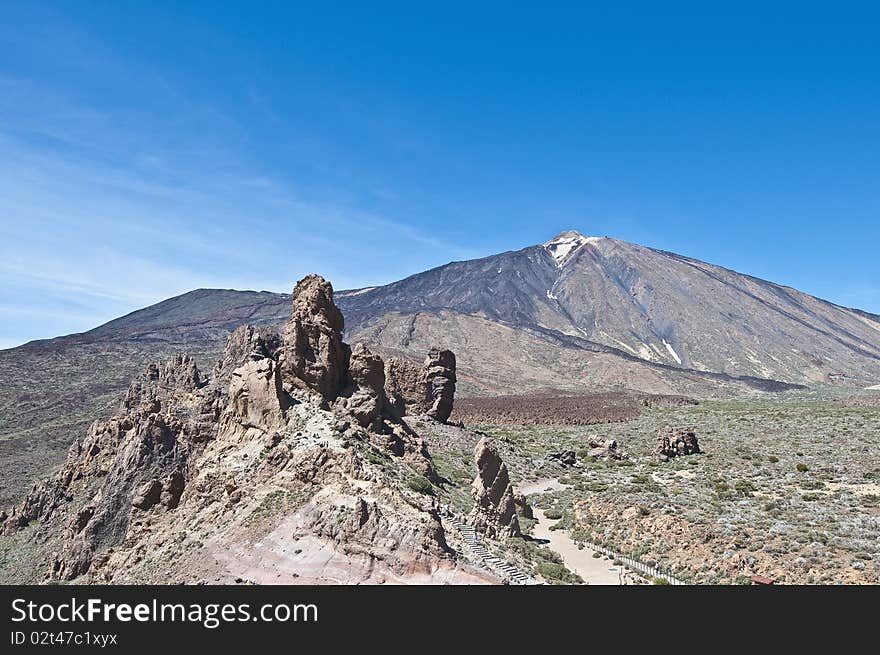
{"x":593,"y":293}
{"x":576,"y":313}
{"x":654,"y":305}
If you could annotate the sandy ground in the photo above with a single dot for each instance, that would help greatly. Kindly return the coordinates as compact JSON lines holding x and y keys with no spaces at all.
{"x":867,"y":489}
{"x":540,"y":486}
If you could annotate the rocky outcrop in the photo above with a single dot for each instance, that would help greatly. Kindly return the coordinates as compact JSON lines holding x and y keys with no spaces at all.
{"x":256,"y":396}
{"x":139,"y":460}
{"x":495,"y":503}
{"x":304,"y":411}
{"x":564,"y":458}
{"x":158,"y":381}
{"x":676,"y":441}
{"x":440,"y":380}
{"x":427,"y":390}
{"x":605,"y":449}
{"x":313,"y":355}
{"x":522,"y":506}
{"x":246,"y":343}
{"x":405,"y":387}
{"x":148,"y":495}
{"x":352,"y":383}
{"x":364,"y":395}
{"x":135,"y":462}
{"x":380,"y":531}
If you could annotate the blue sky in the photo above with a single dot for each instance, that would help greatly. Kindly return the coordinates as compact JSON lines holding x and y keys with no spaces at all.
{"x":149,"y":148}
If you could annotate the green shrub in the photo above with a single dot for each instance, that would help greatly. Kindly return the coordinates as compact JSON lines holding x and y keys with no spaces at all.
{"x":379,"y":459}
{"x":553,"y":514}
{"x":744,"y":487}
{"x":557,"y":573}
{"x":420,"y":484}
{"x":773,"y":459}
{"x":723,"y":491}
{"x":801,"y":467}
{"x":547,"y":555}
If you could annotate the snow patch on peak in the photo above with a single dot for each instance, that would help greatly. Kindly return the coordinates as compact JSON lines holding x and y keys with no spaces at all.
{"x":564,"y":244}
{"x":672,"y":351}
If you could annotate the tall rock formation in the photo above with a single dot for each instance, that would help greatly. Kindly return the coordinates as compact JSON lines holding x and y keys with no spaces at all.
{"x":405,"y":387}
{"x":440,"y":380}
{"x":494,"y":512}
{"x":297,"y":420}
{"x":314,"y":355}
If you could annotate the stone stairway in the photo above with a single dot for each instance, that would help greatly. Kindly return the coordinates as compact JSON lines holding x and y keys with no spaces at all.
{"x":478,"y":549}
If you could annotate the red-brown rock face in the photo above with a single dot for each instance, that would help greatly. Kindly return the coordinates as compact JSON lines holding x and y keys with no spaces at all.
{"x":440,"y":381}
{"x":364,"y":395}
{"x":314,"y":355}
{"x":427,"y":390}
{"x":494,"y":511}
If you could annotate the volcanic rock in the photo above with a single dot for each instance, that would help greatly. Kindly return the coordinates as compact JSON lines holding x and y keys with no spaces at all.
{"x":378,"y":530}
{"x":427,"y":390}
{"x":405,"y":387}
{"x":314,"y":355}
{"x":605,"y":449}
{"x":148,"y":495}
{"x":522,"y":506}
{"x":440,"y":380}
{"x":494,"y":512}
{"x":257,"y":438}
{"x":564,"y":457}
{"x":256,"y":395}
{"x":246,"y":343}
{"x":364,"y":395}
{"x":159,"y":380}
{"x":675,"y":441}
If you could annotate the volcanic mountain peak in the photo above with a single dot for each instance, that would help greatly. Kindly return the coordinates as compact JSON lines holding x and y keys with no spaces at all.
{"x":564,"y":244}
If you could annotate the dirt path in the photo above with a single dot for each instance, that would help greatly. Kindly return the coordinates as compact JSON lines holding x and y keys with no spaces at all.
{"x":593,"y":570}
{"x":540,"y":486}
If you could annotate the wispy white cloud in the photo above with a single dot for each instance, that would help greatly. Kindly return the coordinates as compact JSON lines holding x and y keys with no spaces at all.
{"x":106,"y":210}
